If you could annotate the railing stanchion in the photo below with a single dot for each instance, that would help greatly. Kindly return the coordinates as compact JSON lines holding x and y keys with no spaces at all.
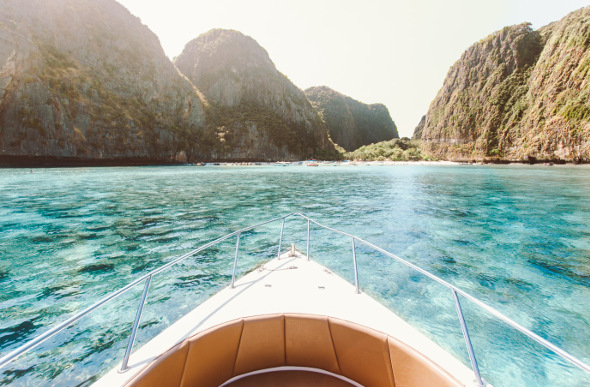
{"x":281,"y":238}
{"x":135,"y":325}
{"x":467,"y":340}
{"x":356,"y":273}
{"x":307,"y":239}
{"x":233,"y":276}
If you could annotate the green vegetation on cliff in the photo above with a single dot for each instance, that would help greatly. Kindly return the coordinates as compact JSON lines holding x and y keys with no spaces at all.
{"x":400,"y":149}
{"x":517,"y":94}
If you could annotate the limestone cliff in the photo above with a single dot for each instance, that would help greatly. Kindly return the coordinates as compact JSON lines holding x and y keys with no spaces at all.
{"x":419,"y":129}
{"x":85,"y":80}
{"x":351,"y":123}
{"x":254,"y":110}
{"x":516,"y":95}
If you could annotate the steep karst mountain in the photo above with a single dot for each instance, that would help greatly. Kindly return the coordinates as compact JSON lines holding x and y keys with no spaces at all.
{"x":85,"y":81}
{"x":351,"y":123}
{"x":518,"y":94}
{"x":419,"y":128}
{"x":254,"y":109}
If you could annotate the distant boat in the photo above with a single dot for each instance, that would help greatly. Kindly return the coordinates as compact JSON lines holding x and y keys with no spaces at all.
{"x":282,"y":163}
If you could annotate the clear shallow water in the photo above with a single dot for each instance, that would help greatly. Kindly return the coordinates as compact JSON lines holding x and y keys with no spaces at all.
{"x":517,"y":237}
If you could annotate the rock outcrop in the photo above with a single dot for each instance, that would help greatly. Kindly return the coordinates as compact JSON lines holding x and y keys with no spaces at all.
{"x":419,"y":129}
{"x":518,"y":94}
{"x":253,"y":109}
{"x":351,"y":123}
{"x":85,"y":81}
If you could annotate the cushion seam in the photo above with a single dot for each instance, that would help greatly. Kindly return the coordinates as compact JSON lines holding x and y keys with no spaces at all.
{"x":390,"y":361}
{"x":334,"y":346}
{"x":233,"y":371}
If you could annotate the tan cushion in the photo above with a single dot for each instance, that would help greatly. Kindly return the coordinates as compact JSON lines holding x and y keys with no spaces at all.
{"x":212,"y":355}
{"x":412,"y":369}
{"x":309,"y":343}
{"x":262,"y":344}
{"x":290,"y":379}
{"x":363,"y":354}
{"x":165,"y":371}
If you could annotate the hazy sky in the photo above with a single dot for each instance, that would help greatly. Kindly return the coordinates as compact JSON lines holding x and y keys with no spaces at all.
{"x":394,"y":52}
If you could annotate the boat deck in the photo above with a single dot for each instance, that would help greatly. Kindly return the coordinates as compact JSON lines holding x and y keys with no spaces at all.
{"x":290,"y":285}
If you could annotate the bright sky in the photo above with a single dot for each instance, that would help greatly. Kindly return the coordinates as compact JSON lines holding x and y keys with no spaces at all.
{"x":396,"y":52}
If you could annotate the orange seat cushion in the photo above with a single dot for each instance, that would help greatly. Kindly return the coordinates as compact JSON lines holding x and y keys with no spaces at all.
{"x":371,"y":358}
{"x":363,"y":354}
{"x":262,"y":344}
{"x":211,"y":356}
{"x":290,"y":379}
{"x":309,"y":343}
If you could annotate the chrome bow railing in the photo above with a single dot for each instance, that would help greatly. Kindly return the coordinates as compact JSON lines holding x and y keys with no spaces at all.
{"x":146,"y":279}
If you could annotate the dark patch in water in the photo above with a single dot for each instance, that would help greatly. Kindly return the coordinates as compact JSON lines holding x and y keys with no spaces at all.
{"x":448,"y":260}
{"x":49,"y":237}
{"x":12,"y":375}
{"x":149,"y":324}
{"x":415,"y":278}
{"x":446,"y":265}
{"x":152,"y":232}
{"x":43,"y":238}
{"x":166,"y":239}
{"x":487,"y":281}
{"x":131,"y":246}
{"x":59,"y":291}
{"x":462,"y":242}
{"x":522,"y":285}
{"x":4,"y":275}
{"x":144,"y":266}
{"x":460,"y":213}
{"x":98,"y":267}
{"x":560,"y":269}
{"x":16,"y":333}
{"x":98,"y":228}
{"x":88,"y":236}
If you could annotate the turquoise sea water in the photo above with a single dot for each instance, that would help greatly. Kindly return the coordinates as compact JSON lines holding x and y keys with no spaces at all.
{"x":517,"y":237}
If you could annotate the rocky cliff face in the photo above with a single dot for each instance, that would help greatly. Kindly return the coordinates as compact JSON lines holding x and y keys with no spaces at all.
{"x":351,"y":123}
{"x":253,"y":109}
{"x":419,"y":129}
{"x":85,"y":80}
{"x":517,"y":94}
